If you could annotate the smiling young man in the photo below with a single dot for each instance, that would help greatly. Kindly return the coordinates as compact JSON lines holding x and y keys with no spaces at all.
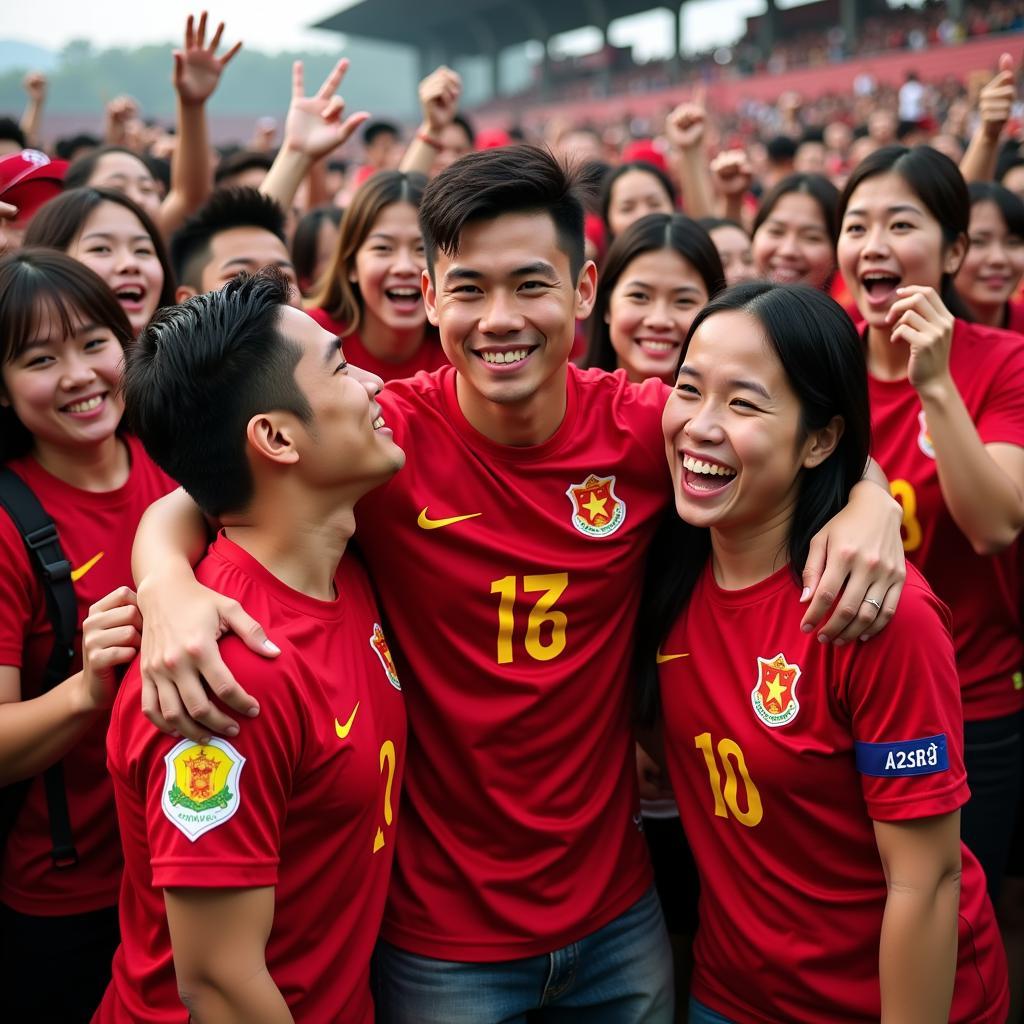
{"x":233,"y":848}
{"x":532,"y":490}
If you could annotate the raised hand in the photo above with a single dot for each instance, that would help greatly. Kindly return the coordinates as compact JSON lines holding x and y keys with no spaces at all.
{"x":920,"y":318}
{"x":197,"y":68}
{"x":35,"y":84}
{"x":995,"y":101}
{"x":685,"y":126}
{"x":731,"y":173}
{"x":439,"y":98}
{"x":314,"y":126}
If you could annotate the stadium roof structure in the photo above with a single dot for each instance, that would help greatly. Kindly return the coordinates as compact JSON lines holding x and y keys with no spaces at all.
{"x":470,"y":27}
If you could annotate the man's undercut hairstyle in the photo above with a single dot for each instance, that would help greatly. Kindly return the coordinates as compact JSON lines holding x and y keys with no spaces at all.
{"x":495,"y":182}
{"x":226,"y":209}
{"x":198,"y":374}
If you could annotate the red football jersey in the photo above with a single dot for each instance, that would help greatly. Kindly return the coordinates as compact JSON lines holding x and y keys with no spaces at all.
{"x":512,"y":576}
{"x":781,"y":752}
{"x":429,"y":356}
{"x":304,"y":799}
{"x":982,"y":591}
{"x":1015,"y":316}
{"x":96,"y":531}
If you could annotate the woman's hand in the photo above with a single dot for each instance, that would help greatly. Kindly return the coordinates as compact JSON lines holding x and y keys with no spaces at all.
{"x":314,"y":126}
{"x":111,"y":636}
{"x":685,"y":126}
{"x":920,"y":318}
{"x":197,"y":68}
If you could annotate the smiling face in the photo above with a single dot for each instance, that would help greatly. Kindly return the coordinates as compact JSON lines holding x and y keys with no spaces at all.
{"x":346,"y":444}
{"x":994,"y":264}
{"x":733,"y":434}
{"x":635,"y":194}
{"x":792,"y":246}
{"x":737,"y":256}
{"x":114,"y":243}
{"x":64,"y":388}
{"x":387,"y":269}
{"x":889,"y":240}
{"x":506,"y":305}
{"x":244,"y":249}
{"x":127,"y":174}
{"x":650,"y":310}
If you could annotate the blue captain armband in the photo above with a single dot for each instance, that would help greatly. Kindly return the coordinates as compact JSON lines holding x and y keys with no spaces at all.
{"x":925,"y":756}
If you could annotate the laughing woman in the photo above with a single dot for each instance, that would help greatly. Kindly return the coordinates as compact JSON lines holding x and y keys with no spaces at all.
{"x":62,"y":339}
{"x":947,"y":412}
{"x":819,"y":787}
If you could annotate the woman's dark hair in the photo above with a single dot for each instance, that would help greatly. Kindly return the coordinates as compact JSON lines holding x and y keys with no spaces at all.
{"x":1009,"y":204}
{"x":83,"y":167}
{"x":59,"y":222}
{"x":710,"y":224}
{"x":335,"y":293}
{"x":818,"y":187}
{"x":608,"y":186}
{"x":305,"y":240}
{"x":823,"y":359}
{"x":652,"y":233}
{"x":940,"y":186}
{"x":36,"y":282}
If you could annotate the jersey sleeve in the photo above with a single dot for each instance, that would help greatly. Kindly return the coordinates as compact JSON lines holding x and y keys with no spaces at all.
{"x":215,"y":812}
{"x":20,"y":593}
{"x":1001,"y":419}
{"x":903,"y":697}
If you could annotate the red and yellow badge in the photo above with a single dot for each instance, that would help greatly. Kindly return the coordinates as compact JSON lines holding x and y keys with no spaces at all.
{"x":597,"y":510}
{"x":774,"y":695}
{"x":381,"y":649}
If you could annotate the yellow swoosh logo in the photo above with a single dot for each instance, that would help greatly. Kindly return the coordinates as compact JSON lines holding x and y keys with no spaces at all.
{"x":344,"y":730}
{"x":426,"y":523}
{"x":77,"y":574}
{"x":662,"y":658}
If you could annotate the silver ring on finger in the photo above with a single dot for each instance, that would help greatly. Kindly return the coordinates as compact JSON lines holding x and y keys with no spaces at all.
{"x":874,"y":602}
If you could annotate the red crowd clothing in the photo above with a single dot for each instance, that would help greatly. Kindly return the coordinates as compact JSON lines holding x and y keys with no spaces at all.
{"x":782,"y":751}
{"x":982,"y":591}
{"x":429,"y":356}
{"x":521,"y":823}
{"x":304,"y":799}
{"x":96,"y":531}
{"x":1015,"y":316}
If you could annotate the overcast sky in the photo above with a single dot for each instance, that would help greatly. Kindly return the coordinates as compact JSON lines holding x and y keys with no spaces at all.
{"x":52,"y":23}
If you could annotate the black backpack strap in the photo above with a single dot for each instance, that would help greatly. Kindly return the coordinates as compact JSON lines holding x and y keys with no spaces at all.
{"x":40,"y":536}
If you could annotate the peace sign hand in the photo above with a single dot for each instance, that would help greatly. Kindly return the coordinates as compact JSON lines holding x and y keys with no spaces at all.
{"x":314,"y":126}
{"x":197,"y":68}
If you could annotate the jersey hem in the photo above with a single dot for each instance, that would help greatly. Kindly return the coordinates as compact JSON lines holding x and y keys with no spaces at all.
{"x":472,"y":951}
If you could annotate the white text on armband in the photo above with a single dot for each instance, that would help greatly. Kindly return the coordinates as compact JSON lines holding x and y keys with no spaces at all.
{"x":924,"y":756}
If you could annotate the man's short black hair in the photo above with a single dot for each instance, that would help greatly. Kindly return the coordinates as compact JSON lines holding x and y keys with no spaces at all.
{"x":780,"y":149}
{"x":487,"y":185}
{"x":11,"y":131}
{"x":199,"y":372}
{"x":70,"y":146}
{"x":467,"y":126}
{"x":374,"y":129}
{"x":240,"y":161}
{"x":227,"y":208}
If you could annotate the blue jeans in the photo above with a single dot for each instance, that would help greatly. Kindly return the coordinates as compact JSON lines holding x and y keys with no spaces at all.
{"x":701,"y":1014}
{"x":620,"y":974}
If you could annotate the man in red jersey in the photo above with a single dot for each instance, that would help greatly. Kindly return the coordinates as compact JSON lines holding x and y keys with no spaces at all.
{"x":530,"y":497}
{"x":233,"y":848}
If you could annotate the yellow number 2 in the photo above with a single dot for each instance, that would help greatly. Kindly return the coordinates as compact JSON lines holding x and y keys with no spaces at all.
{"x":903,"y":492}
{"x":726,"y":796}
{"x":387,"y":757}
{"x":550,"y":586}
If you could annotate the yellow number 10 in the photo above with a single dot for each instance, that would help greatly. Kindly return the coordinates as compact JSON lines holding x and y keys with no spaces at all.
{"x":725,"y":796}
{"x":550,"y":586}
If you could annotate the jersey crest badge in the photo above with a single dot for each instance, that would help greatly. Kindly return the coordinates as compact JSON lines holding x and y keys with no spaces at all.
{"x":924,"y":439}
{"x":774,"y":695}
{"x":202,"y":789}
{"x":597,"y":511}
{"x":381,"y":649}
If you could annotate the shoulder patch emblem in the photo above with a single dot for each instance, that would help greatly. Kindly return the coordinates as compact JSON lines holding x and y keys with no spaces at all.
{"x":774,"y":694}
{"x":202,"y":788}
{"x":381,"y":649}
{"x":597,"y":511}
{"x":924,"y":439}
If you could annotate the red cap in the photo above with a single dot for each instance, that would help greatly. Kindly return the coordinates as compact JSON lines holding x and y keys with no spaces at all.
{"x":492,"y":138}
{"x":28,"y":179}
{"x":645,"y":150}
